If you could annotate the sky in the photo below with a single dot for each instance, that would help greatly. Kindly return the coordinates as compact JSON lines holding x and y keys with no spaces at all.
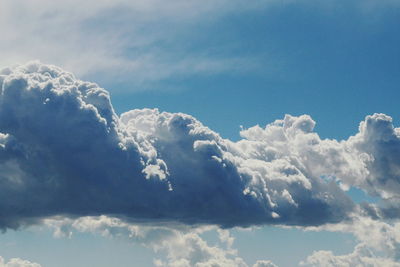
{"x":199,"y":133}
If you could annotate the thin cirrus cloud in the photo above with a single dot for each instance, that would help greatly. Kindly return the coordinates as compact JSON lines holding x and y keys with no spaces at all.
{"x":138,"y":41}
{"x":65,"y":152}
{"x":142,"y":40}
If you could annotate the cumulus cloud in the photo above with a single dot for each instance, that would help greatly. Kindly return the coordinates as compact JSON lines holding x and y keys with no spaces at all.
{"x":379,"y":142}
{"x":379,"y":244}
{"x":17,"y":262}
{"x":64,"y":151}
{"x":191,"y":250}
{"x":361,"y":256}
{"x":181,"y":245}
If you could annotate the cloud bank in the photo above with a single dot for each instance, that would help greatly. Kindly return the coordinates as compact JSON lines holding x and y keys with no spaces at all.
{"x":64,"y":151}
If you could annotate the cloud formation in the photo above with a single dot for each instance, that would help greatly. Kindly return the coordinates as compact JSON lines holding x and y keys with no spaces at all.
{"x":185,"y":246}
{"x":379,"y":245}
{"x":64,"y":151}
{"x":379,"y":142}
{"x":17,"y":262}
{"x":137,"y":42}
{"x":121,"y":38}
{"x":182,"y":246}
{"x":361,"y":256}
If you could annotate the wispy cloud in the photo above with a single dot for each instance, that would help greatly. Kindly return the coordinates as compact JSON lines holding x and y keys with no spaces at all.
{"x":139,"y":42}
{"x":143,"y":40}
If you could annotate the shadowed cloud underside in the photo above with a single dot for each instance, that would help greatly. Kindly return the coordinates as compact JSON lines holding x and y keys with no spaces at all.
{"x":64,"y":151}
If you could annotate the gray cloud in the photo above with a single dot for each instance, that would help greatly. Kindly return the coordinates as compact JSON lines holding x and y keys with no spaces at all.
{"x":64,"y":151}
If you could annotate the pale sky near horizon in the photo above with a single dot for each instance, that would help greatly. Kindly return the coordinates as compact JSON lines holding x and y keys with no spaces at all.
{"x":231,"y":65}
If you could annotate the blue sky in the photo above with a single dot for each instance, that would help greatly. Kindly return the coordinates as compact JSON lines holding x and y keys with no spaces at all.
{"x":229,"y":64}
{"x":305,"y":58}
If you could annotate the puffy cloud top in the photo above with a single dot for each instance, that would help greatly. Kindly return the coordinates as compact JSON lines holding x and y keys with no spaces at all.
{"x":64,"y":151}
{"x":379,"y":142}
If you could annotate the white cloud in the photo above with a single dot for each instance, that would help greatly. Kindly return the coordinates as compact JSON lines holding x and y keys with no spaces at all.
{"x":264,"y":264}
{"x":361,"y":256}
{"x":379,"y":244}
{"x":17,"y":262}
{"x":179,"y":245}
{"x":175,"y":245}
{"x":379,"y":142}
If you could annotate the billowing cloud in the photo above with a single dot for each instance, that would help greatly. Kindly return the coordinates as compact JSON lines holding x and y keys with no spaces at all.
{"x":64,"y":151}
{"x":379,"y":142}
